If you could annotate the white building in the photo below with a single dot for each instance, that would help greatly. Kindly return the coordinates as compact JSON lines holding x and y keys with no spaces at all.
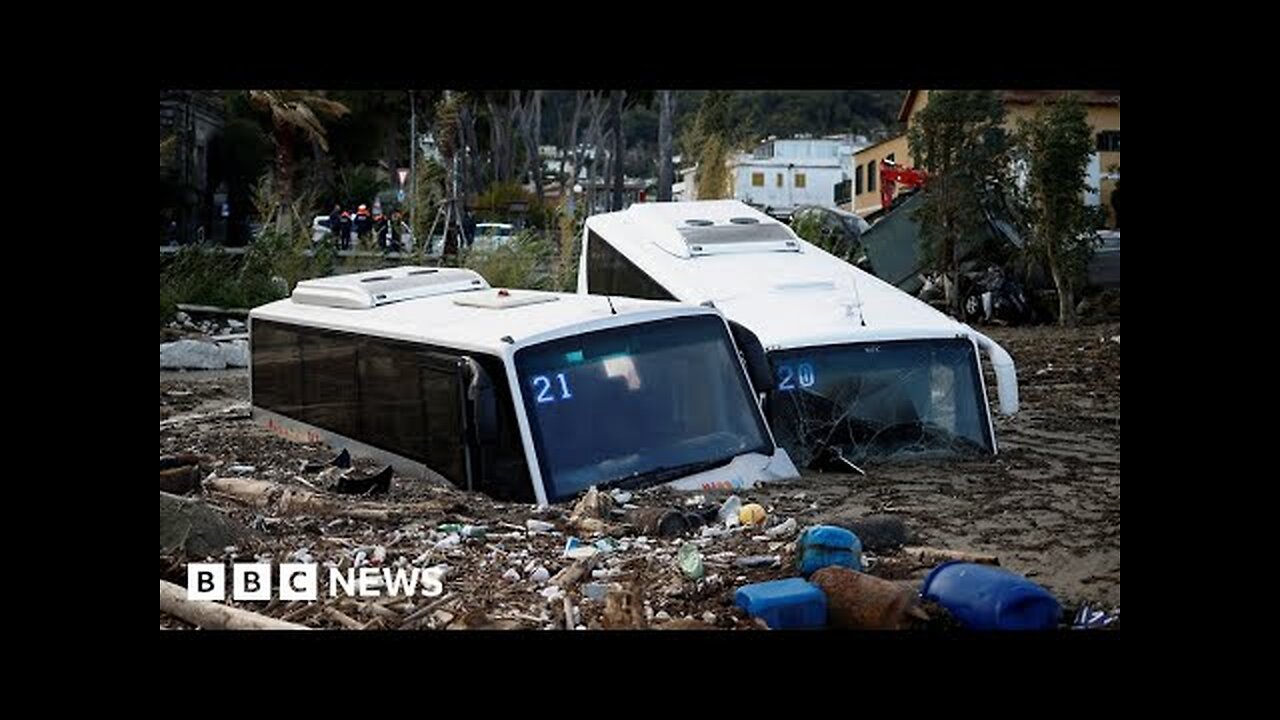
{"x":783,"y":174}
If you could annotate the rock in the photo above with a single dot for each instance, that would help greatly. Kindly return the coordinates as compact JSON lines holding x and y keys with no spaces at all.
{"x":709,"y":617}
{"x":182,"y":317}
{"x":540,"y":575}
{"x":661,"y":616}
{"x":511,"y":575}
{"x":235,"y":353}
{"x":877,"y":533}
{"x":190,"y":526}
{"x":191,"y":355}
{"x":236,"y":324}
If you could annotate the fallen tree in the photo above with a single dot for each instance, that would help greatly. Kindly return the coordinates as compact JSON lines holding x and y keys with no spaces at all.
{"x":285,"y":500}
{"x":216,"y":616}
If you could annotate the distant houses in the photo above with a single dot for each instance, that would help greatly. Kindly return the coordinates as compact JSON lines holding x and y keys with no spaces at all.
{"x":1103,"y":109}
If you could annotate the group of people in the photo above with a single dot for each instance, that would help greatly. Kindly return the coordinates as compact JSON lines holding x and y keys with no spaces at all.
{"x":363,"y":224}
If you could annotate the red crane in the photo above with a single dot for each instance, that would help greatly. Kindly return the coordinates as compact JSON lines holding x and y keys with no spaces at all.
{"x":891,"y":175}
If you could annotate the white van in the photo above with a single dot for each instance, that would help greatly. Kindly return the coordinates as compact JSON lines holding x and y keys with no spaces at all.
{"x":856,"y":367}
{"x":523,"y":395}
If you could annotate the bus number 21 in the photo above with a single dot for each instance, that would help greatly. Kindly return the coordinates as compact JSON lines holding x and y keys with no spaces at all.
{"x":542,"y":384}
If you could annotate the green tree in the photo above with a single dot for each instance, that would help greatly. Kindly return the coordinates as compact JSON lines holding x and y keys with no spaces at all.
{"x":710,"y":140}
{"x":294,"y":114}
{"x":1056,"y":145}
{"x":959,"y":139}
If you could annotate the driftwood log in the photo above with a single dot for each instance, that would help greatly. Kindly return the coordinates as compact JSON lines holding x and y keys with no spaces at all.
{"x":286,"y":500}
{"x":930,"y":555}
{"x":216,"y":616}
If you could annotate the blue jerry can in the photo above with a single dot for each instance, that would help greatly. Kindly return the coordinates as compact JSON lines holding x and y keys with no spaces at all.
{"x":824,"y":545}
{"x":784,"y":604}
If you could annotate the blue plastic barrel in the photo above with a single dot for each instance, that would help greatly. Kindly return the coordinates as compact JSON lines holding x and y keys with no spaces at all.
{"x":982,"y":597}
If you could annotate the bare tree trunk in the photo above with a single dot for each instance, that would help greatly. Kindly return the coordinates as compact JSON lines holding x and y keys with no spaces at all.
{"x":470,"y":148}
{"x":284,"y":176}
{"x":666,"y":172}
{"x":955,"y":277}
{"x":534,"y":143}
{"x":1066,"y":293}
{"x":619,"y":147}
{"x":495,"y":139}
{"x":572,"y":180}
{"x":530,"y":122}
{"x":595,"y":139}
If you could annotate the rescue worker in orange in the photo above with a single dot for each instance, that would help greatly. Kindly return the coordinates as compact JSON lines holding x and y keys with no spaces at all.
{"x":363,"y":223}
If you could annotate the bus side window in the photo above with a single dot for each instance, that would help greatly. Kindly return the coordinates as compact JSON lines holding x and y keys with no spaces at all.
{"x":611,"y":273}
{"x":330,"y":389}
{"x":442,"y":398}
{"x":277,"y":368}
{"x":391,"y":411}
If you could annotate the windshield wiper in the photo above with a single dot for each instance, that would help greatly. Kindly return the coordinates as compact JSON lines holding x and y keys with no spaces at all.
{"x":659,"y":475}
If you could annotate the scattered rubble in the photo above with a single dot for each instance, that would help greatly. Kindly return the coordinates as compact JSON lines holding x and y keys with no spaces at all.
{"x":615,"y":561}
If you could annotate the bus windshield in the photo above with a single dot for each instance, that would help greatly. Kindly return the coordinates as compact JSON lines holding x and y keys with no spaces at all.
{"x":849,"y":402}
{"x":638,"y":405}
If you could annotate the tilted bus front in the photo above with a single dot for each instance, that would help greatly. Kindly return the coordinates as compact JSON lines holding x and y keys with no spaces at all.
{"x":857,"y":368}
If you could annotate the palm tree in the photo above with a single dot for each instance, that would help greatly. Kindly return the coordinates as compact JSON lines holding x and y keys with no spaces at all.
{"x":294,"y":113}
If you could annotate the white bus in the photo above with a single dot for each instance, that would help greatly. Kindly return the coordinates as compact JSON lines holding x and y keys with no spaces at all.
{"x":859,"y":368}
{"x":523,"y":395}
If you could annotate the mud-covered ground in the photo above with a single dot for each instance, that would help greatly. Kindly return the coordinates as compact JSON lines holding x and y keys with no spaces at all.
{"x":1048,"y":506}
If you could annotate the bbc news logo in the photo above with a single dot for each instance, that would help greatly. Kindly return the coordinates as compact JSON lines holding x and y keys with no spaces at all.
{"x":301,"y":581}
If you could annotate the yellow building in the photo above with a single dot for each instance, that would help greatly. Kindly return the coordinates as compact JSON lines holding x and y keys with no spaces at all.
{"x":1102,"y":106}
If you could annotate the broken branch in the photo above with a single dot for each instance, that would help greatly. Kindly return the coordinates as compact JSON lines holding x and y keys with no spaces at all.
{"x":931,"y":555}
